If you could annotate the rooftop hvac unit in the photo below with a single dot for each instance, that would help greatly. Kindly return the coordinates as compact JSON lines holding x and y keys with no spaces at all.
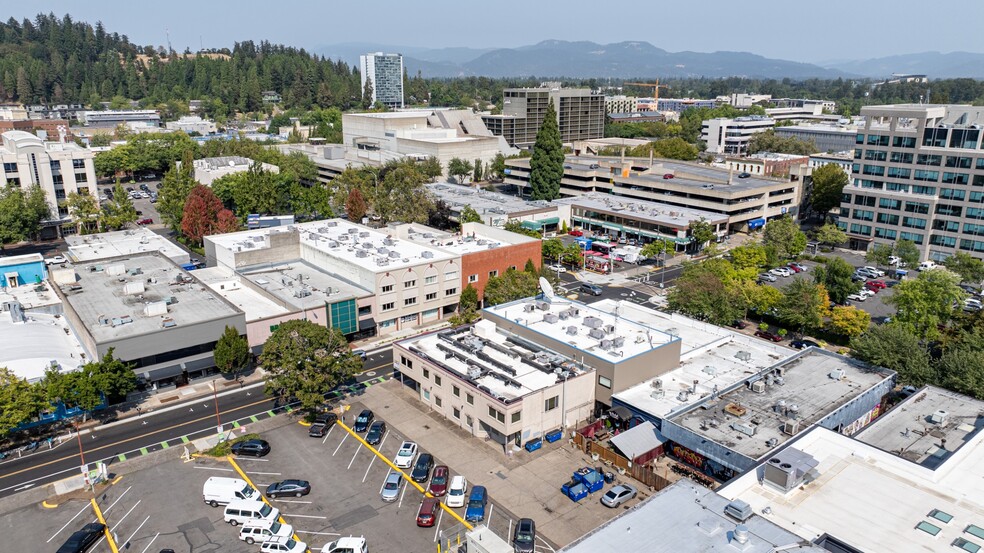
{"x":606,"y":344}
{"x":609,"y":329}
{"x":788,"y":469}
{"x":133,"y":288}
{"x":367,"y":245}
{"x":302,"y":293}
{"x":364,"y":234}
{"x":155,"y":309}
{"x":332,"y":224}
{"x":564,"y":315}
{"x":381,"y":261}
{"x":427,"y":254}
{"x":543,"y":305}
{"x":618,"y":341}
{"x":790,"y":428}
{"x":383,"y":251}
{"x":837,"y":374}
{"x":116,"y":269}
{"x":758,"y":387}
{"x":343,"y":238}
{"x":361,"y":253}
{"x":572,"y":331}
{"x":353,"y":231}
{"x":394,"y":255}
{"x":656,"y":384}
{"x":738,"y":510}
{"x":482,"y":242}
{"x":474,"y":372}
{"x":258,"y":239}
{"x":744,"y":428}
{"x":529,"y":308}
{"x":593,"y":322}
{"x":596,"y":333}
{"x":388,"y":241}
{"x":551,"y":318}
{"x":939,"y":417}
{"x":332,"y":244}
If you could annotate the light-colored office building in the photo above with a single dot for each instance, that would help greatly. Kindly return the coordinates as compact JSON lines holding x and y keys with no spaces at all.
{"x":840,"y":159}
{"x":917,"y":175}
{"x":748,"y":203}
{"x":385,"y":71}
{"x":621,"y":104}
{"x":112,"y":118}
{"x":496,"y":384}
{"x":682,"y":104}
{"x":767,"y":164}
{"x":91,"y":247}
{"x":827,"y":137}
{"x":192,"y":123}
{"x":580,"y":114}
{"x":731,"y":136}
{"x":59,"y":168}
{"x":208,"y":169}
{"x":418,"y":134}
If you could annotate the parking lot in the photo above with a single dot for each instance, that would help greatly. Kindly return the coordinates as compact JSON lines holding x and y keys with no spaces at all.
{"x":145,"y":208}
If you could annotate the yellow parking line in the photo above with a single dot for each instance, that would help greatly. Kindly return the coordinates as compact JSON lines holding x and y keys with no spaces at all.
{"x":280,"y":519}
{"x":405,"y":477}
{"x":109,"y":535}
{"x":117,"y":479}
{"x":47,"y":505}
{"x":303,"y":423}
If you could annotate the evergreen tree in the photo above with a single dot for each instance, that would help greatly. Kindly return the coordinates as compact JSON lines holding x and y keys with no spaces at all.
{"x":547,"y":162}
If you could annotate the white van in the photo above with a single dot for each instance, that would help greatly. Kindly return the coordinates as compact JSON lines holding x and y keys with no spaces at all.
{"x":241,"y":511}
{"x":347,"y":545}
{"x":220,"y":491}
{"x":259,"y":531}
{"x":926,"y":265}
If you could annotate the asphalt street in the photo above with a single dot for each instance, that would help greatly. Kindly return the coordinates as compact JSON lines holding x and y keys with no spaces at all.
{"x":153,"y":431}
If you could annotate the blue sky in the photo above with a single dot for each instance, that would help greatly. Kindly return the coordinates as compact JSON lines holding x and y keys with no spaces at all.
{"x":809,"y":31}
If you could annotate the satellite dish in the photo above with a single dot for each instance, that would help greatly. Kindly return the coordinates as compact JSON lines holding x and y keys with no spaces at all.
{"x":547,"y":289}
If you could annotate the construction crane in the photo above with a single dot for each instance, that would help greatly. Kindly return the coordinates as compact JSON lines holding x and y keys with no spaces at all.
{"x":656,"y":86}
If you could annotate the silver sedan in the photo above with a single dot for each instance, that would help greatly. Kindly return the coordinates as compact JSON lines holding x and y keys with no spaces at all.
{"x":618,"y":495}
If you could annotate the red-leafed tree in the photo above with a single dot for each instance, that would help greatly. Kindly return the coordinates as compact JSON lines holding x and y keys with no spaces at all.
{"x":205,"y":215}
{"x":355,"y":205}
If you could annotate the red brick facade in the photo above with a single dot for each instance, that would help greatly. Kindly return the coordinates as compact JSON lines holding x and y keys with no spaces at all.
{"x":499,"y":259}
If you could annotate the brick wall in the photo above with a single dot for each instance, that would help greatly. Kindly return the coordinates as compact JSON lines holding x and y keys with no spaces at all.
{"x":499,"y":259}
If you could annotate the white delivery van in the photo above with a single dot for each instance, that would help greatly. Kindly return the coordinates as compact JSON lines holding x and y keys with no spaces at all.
{"x":220,"y":491}
{"x":926,"y":265}
{"x":347,"y":545}
{"x":259,"y":531}
{"x":241,"y":511}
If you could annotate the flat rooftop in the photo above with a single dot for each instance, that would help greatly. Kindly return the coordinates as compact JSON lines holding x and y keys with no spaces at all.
{"x":606,"y":336}
{"x":230,"y":286}
{"x":31,"y":296}
{"x":928,"y":428}
{"x":458,"y":196}
{"x":476,"y":238}
{"x":497,"y":362}
{"x":347,"y":242}
{"x":713,"y":356}
{"x":804,"y":388}
{"x":141,"y":294}
{"x":32,"y":346}
{"x":643,"y":210}
{"x":686,"y":517}
{"x":90,"y":247}
{"x":875,"y":501}
{"x":301,"y":285}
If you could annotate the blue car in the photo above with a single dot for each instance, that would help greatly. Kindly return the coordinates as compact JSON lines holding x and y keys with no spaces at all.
{"x":476,"y":504}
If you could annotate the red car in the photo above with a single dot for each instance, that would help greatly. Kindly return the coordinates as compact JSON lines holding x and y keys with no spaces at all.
{"x":147,"y":221}
{"x":795,"y":268}
{"x":667,"y":176}
{"x":875,"y":285}
{"x":768,"y":335}
{"x":576,"y":233}
{"x":427,"y":514}
{"x":439,"y":481}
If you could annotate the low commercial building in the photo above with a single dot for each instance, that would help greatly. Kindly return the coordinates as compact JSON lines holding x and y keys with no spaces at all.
{"x":731,"y":136}
{"x":767,"y":164}
{"x":92,"y":247}
{"x":688,"y":517}
{"x":333,"y":159}
{"x":45,"y":129}
{"x":834,"y":137}
{"x":622,"y":351}
{"x":910,"y":481}
{"x":147,"y":117}
{"x":732,"y":430}
{"x":150,"y":311}
{"x":59,"y":168}
{"x":748,"y":203}
{"x":208,"y":169}
{"x":495,"y":384}
{"x":410,"y":284}
{"x":621,"y":104}
{"x":840,"y":159}
{"x":495,"y":208}
{"x":192,"y":124}
{"x":441,"y":133}
{"x":683,"y":104}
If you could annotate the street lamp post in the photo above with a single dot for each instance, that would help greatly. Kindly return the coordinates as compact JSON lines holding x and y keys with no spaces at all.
{"x":215,"y":400}
{"x":662,"y":269}
{"x":85,"y":467}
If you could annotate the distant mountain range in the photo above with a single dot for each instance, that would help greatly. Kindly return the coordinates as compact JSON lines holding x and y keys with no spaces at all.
{"x":638,"y":59}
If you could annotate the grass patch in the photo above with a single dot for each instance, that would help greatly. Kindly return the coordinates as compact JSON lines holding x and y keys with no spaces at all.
{"x":223,"y":449}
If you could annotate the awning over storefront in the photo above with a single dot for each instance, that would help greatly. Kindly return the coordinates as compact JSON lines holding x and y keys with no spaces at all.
{"x":539,"y":224}
{"x":366,"y":324}
{"x":756,"y":223}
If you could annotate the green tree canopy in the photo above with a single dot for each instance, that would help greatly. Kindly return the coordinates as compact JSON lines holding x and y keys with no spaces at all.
{"x":118,"y":212}
{"x":512,"y":285}
{"x":897,"y":349}
{"x":459,"y":169}
{"x":849,"y":321}
{"x":707,"y":292}
{"x":908,"y":252}
{"x":967,"y":266}
{"x":784,"y":235}
{"x":830,"y":234}
{"x":926,"y":302}
{"x":805,"y":305}
{"x":547,"y":162}
{"x":879,"y":254}
{"x":497,"y":168}
{"x":702,"y":232}
{"x":21,"y":213}
{"x":828,"y":185}
{"x":467,"y":307}
{"x":85,"y":212}
{"x":110,"y":376}
{"x":231,"y":352}
{"x":835,"y":276}
{"x":768,"y":141}
{"x":306,"y":360}
{"x":469,"y":215}
{"x":174,"y":190}
{"x":19,"y":401}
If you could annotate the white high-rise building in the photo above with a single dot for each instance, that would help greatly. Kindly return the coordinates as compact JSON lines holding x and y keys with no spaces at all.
{"x":385,"y":71}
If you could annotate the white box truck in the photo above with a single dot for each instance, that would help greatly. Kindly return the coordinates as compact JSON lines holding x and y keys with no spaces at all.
{"x":220,"y":491}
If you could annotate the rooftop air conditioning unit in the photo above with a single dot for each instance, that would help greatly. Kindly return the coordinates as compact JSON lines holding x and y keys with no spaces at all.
{"x":394,"y":255}
{"x":427,"y":254}
{"x":597,"y":333}
{"x":551,"y":318}
{"x":739,"y":510}
{"x":939,"y":417}
{"x":363,"y":234}
{"x":758,"y":387}
{"x":790,"y":428}
{"x":744,"y":428}
{"x":529,"y":308}
{"x":572,"y":331}
{"x":543,"y":305}
{"x":609,"y":329}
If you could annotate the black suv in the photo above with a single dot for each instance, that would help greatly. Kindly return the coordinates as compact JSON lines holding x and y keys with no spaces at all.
{"x":524,"y":536}
{"x":252,"y":448}
{"x":363,"y":421}
{"x":81,"y":541}
{"x":376,"y":433}
{"x":421,"y":471}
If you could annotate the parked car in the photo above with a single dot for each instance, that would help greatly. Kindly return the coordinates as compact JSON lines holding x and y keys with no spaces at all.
{"x":422,"y":470}
{"x":592,"y":289}
{"x":318,"y":430}
{"x":857,"y":277}
{"x":524,"y":536}
{"x":781,"y":271}
{"x":476,"y":504}
{"x":793,"y":268}
{"x":744,"y":175}
{"x":56,"y":260}
{"x":667,"y":176}
{"x":427,"y":513}
{"x":739,"y":324}
{"x":802,"y":268}
{"x":867,"y":272}
{"x":146,"y":221}
{"x":283,"y":545}
{"x":327,"y":418}
{"x":972,"y":304}
{"x":767,"y":277}
{"x":406,"y":455}
{"x":875,"y":285}
{"x":439,"y":481}
{"x":350,"y":544}
{"x":557,"y":268}
{"x":771,"y":336}
{"x":363,"y":421}
{"x":296,"y":488}
{"x":252,"y":448}
{"x":360,"y":352}
{"x":81,"y":541}
{"x":576,"y":233}
{"x":376,"y":433}
{"x":857,"y":296}
{"x":618,"y":495}
{"x":457,"y":491}
{"x":262,"y":530}
{"x":391,"y":487}
{"x":876,"y":271}
{"x":803,"y":344}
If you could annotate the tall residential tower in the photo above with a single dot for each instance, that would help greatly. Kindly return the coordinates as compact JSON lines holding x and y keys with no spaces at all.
{"x":385,"y":71}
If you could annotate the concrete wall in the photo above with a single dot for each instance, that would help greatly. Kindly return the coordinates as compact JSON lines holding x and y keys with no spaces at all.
{"x":258,"y":331}
{"x":28,"y":271}
{"x":131,"y":348}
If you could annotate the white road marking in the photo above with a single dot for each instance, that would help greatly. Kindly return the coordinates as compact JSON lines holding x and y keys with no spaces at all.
{"x":118,"y":522}
{"x":137,"y":530}
{"x":354,"y":455}
{"x":403,"y":493}
{"x":340,"y":444}
{"x":317,"y":533}
{"x":294,"y":501}
{"x":213,"y":468}
{"x":264,"y":473}
{"x":151,"y":543}
{"x":67,"y":523}
{"x":373,"y":459}
{"x":107,"y":509}
{"x":545,"y":544}
{"x":304,"y":516}
{"x":437,"y":527}
{"x":326,"y":435}
{"x":252,"y":459}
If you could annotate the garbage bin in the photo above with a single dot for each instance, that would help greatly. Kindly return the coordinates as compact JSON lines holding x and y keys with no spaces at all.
{"x":609,"y":477}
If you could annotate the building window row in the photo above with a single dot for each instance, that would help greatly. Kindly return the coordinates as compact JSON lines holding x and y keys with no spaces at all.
{"x":912,"y":237}
{"x":889,"y":234}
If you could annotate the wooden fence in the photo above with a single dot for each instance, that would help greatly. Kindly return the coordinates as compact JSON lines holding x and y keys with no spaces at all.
{"x":642,"y":472}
